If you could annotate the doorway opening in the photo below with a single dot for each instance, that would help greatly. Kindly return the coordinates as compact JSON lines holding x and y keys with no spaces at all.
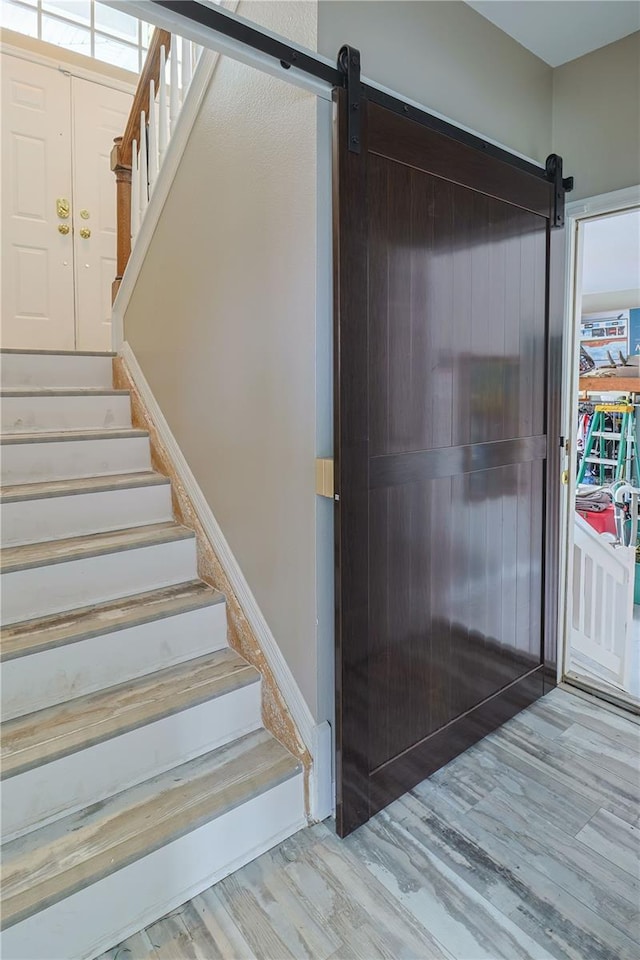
{"x":601,"y":613}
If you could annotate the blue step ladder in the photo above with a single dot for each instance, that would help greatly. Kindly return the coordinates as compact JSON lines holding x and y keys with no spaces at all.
{"x":622,"y":462}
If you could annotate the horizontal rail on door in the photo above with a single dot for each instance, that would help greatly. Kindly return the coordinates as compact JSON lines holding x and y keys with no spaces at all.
{"x":226,"y":25}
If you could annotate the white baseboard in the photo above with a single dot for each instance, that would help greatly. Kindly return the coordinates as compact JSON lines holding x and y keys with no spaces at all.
{"x":321,"y":783}
{"x":316,"y":737}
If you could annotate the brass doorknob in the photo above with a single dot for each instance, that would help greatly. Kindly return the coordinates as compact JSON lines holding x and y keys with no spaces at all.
{"x":63,"y":228}
{"x":85,"y":233}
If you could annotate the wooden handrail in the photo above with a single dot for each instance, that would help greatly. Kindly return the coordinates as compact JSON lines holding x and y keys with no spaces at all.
{"x":150,"y":71}
{"x":121,"y":153}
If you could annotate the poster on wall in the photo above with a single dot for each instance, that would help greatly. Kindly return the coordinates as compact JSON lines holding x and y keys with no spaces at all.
{"x":605,"y":336}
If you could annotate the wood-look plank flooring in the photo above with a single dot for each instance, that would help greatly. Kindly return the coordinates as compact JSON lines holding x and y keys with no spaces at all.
{"x":525,"y":846}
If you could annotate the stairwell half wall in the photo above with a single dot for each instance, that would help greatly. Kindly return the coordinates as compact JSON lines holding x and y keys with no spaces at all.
{"x":223,"y":322}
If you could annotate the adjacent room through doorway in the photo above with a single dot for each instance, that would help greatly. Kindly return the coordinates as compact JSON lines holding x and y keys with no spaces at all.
{"x":602,"y":650}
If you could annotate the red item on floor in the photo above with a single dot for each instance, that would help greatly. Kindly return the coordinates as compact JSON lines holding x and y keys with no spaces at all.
{"x":603,"y":522}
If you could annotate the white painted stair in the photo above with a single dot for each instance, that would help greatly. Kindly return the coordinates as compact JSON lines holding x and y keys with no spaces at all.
{"x":135,"y":767}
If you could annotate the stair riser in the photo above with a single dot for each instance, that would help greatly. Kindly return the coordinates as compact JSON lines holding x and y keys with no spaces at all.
{"x":40,"y":591}
{"x":53,"y":518}
{"x":55,"y":371}
{"x":52,"y":676}
{"x":106,"y":912}
{"x":63,"y":786}
{"x":71,"y":459}
{"x":32,"y":414}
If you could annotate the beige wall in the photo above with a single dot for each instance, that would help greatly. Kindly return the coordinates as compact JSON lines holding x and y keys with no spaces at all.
{"x":596,"y":117}
{"x":448,"y":57}
{"x":223,"y":323}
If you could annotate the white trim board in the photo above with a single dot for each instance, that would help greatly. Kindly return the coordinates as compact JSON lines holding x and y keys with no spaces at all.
{"x":176,"y":22}
{"x":316,"y":737}
{"x":606,"y":203}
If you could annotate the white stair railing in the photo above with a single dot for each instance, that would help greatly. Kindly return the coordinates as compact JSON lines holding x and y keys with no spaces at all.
{"x":137,"y":156}
{"x":601,"y":621}
{"x":158,"y":126}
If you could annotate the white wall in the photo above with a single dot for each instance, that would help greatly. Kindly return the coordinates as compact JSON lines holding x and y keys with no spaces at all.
{"x":451,"y":59}
{"x":596,"y":118}
{"x":223,"y":323}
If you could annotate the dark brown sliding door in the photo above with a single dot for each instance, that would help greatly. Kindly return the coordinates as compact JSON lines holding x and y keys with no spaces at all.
{"x":444,"y":410}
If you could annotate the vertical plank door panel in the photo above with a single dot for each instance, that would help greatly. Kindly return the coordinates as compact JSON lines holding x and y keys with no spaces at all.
{"x":442,"y":330}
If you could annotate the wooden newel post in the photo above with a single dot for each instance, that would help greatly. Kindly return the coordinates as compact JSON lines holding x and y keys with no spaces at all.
{"x":121,"y":166}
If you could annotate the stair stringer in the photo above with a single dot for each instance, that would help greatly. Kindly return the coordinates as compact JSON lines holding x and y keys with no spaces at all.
{"x":286,"y":716}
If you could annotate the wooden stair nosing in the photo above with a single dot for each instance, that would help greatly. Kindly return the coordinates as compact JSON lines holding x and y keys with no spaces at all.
{"x":35,"y":392}
{"x":32,"y":556}
{"x":13,"y":351}
{"x":46,"y":866}
{"x":46,"y":633}
{"x":65,"y":436}
{"x":54,"y":732}
{"x":48,"y":489}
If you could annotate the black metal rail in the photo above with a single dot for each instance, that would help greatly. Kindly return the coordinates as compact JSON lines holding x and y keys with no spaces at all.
{"x":287,"y":56}
{"x":340,"y":75}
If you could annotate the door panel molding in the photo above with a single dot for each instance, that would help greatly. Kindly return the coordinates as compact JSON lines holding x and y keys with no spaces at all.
{"x":37,"y":244}
{"x":414,"y":466}
{"x":56,"y":290}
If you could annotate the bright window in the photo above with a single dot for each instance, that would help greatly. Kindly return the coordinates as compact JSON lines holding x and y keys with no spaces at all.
{"x":84,"y":26}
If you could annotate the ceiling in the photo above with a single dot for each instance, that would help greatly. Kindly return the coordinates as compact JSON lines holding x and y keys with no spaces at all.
{"x":561,"y":30}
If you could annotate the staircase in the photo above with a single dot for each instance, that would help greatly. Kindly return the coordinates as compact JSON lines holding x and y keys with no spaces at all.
{"x":136,"y":769}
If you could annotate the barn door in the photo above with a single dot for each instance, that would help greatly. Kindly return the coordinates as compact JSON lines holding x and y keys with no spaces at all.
{"x":445,"y":397}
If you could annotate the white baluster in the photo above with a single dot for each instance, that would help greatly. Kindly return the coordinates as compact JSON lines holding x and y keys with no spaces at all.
{"x":162,"y":108}
{"x":144,"y":186}
{"x":174,"y":92}
{"x":153,"y":138}
{"x":186,"y":66}
{"x":135,"y":193}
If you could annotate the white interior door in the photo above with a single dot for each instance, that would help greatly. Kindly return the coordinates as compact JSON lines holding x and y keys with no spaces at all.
{"x":37,"y":303}
{"x":99,"y":114}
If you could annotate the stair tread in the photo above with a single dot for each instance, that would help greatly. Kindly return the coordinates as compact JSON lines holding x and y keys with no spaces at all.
{"x":90,"y":545}
{"x":54,"y":732}
{"x":62,"y":488}
{"x":32,"y":391}
{"x":32,"y":636}
{"x":57,"y":353}
{"x":51,"y":863}
{"x":58,"y":436}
